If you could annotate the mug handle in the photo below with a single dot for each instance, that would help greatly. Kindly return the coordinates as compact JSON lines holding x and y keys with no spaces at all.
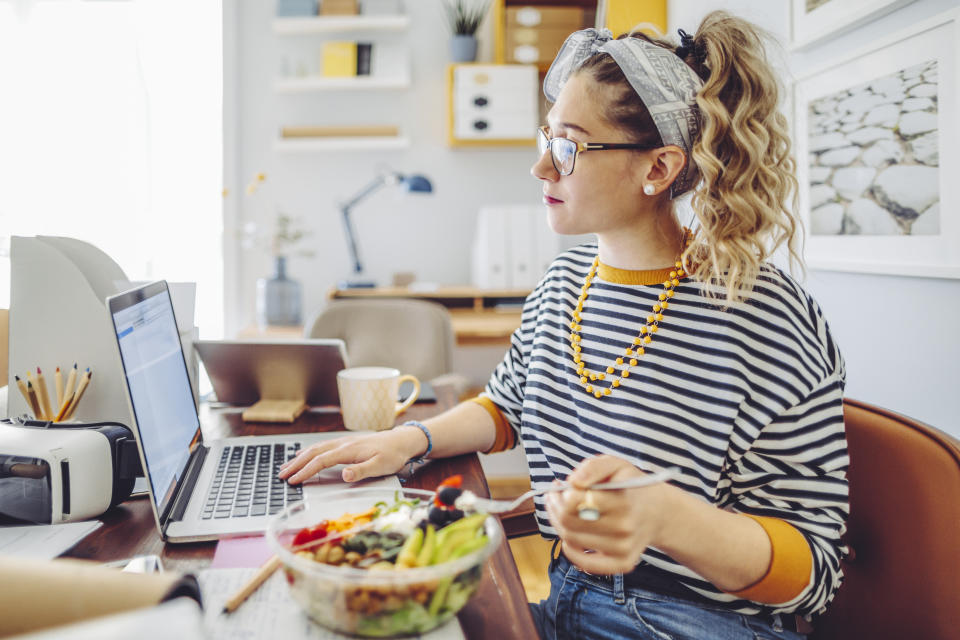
{"x":403,"y":406}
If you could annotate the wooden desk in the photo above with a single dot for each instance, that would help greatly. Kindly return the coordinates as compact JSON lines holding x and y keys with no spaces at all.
{"x":498,"y":610}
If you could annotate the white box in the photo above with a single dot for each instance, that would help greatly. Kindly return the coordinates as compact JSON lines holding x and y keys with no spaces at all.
{"x":496,"y":102}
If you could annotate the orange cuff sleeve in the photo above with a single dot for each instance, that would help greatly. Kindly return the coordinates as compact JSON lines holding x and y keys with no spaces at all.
{"x":790,"y":564}
{"x":506,"y":436}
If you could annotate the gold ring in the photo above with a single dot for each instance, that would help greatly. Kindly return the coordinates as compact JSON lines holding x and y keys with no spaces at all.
{"x":587,"y":509}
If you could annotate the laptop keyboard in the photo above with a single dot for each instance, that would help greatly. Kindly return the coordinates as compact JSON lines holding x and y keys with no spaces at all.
{"x":245,"y":483}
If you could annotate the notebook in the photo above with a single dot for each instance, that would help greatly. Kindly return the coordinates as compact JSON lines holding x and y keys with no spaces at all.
{"x":199,"y":490}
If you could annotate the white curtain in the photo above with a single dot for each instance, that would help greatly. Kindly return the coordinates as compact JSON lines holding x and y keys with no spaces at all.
{"x":111,"y":132}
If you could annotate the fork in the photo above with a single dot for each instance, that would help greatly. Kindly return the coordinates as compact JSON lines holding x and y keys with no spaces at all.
{"x":500,"y":506}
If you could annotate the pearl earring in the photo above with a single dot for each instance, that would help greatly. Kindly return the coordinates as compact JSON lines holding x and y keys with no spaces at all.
{"x":649,"y":189}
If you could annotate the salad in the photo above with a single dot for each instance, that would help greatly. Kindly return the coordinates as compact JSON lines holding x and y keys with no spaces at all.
{"x":400,"y":555}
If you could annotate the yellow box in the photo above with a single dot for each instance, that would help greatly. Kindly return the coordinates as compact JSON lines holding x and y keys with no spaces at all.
{"x":338,"y":8}
{"x":339,"y":59}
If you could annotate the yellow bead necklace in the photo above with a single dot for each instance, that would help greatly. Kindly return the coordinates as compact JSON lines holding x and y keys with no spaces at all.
{"x":588,"y":379}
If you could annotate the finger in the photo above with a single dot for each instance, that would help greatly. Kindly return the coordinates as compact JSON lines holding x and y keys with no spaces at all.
{"x":320,"y":462}
{"x":302,"y":458}
{"x":596,"y":562}
{"x":595,"y":470}
{"x":375,"y":466}
{"x":565,"y":503}
{"x":616,"y":546}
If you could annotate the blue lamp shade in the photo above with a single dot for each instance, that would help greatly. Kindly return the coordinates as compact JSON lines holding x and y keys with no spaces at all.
{"x":417,"y":183}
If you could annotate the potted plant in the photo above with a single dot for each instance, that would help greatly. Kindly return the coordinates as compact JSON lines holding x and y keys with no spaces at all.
{"x":464,"y":18}
{"x":279,"y":296}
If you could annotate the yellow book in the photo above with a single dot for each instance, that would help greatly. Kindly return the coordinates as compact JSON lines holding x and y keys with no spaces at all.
{"x":339,"y":59}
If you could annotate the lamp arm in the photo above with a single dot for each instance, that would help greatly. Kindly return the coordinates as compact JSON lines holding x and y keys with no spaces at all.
{"x":345,"y":209}
{"x":351,"y":240}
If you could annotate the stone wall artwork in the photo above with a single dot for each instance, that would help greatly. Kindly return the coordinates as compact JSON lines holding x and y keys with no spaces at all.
{"x":873,"y":153}
{"x":877,"y":143}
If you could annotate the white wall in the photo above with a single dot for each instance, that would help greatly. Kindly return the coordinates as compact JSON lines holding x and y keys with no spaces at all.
{"x":899,"y":335}
{"x":428,"y":235}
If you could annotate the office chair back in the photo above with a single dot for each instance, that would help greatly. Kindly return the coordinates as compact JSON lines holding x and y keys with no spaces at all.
{"x":414,"y":336}
{"x":902,"y":579}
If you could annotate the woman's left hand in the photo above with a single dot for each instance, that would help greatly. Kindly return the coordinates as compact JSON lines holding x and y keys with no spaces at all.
{"x":630,"y":519}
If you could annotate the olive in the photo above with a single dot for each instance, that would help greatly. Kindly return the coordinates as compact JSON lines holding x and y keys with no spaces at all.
{"x":438,"y":517}
{"x":448,"y":495}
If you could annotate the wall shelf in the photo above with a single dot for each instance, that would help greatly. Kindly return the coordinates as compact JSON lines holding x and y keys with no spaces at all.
{"x":339,"y":24}
{"x":308,"y":84}
{"x":356,"y":143}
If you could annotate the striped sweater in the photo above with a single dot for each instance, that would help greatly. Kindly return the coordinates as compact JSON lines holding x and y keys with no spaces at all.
{"x":746,"y":401}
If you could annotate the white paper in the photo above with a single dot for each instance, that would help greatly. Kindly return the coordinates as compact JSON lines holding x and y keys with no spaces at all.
{"x":178,"y":618}
{"x":45,"y":540}
{"x":271,"y":612}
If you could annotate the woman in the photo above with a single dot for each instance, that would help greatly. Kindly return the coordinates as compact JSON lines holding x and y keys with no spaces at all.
{"x":661,"y":347}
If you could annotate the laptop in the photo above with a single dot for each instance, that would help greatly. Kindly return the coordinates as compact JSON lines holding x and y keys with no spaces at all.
{"x":245,"y":371}
{"x":199,"y":490}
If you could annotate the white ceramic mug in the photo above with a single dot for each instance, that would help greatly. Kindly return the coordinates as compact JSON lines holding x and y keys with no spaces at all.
{"x":368,"y":397}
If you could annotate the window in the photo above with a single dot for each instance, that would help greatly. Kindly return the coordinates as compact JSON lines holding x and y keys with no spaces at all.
{"x":111,"y":132}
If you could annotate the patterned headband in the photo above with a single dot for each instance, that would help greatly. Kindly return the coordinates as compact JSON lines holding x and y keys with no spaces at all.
{"x":667,"y":86}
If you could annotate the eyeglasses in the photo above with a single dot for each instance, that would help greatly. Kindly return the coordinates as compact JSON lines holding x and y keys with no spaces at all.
{"x":564,"y":151}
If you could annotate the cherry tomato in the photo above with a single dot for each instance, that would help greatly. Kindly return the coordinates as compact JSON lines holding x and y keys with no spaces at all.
{"x":453,"y":482}
{"x":309,"y":534}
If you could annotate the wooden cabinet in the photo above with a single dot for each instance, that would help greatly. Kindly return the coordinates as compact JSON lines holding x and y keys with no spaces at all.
{"x":492,"y":104}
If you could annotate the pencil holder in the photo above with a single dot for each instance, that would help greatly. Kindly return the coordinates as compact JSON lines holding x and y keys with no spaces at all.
{"x":58,"y":288}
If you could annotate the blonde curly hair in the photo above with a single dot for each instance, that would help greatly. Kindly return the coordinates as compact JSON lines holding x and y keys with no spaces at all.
{"x":745,"y":200}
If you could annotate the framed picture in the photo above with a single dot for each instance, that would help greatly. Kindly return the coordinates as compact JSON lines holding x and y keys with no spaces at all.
{"x":814,"y":20}
{"x":876,"y":139}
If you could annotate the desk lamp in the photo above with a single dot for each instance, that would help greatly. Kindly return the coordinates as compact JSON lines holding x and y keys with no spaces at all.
{"x":414,"y":183}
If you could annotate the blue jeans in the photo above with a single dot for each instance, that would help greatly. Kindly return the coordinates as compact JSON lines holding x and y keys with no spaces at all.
{"x":584,"y":606}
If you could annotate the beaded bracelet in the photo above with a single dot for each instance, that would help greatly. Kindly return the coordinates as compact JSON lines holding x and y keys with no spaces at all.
{"x":422,"y":458}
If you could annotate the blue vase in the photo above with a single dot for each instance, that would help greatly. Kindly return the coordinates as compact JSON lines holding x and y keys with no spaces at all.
{"x":278,"y":298}
{"x":463,"y":48}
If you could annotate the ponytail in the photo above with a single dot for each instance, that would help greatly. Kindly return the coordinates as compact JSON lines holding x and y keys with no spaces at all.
{"x":746,"y":201}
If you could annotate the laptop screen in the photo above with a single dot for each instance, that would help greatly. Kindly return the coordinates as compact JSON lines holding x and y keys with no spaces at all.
{"x":160,"y":391}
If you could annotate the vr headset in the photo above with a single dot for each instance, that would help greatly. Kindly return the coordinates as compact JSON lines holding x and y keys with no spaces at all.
{"x":60,"y":472}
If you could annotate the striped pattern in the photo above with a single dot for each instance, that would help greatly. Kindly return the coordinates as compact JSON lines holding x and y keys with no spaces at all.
{"x":746,"y":401}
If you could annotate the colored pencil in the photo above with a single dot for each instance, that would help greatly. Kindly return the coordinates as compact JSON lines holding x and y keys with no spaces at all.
{"x":266,"y":570}
{"x":32,"y":399}
{"x":71,"y":379}
{"x":43,"y":395}
{"x":23,"y":388}
{"x":58,"y":383}
{"x":81,"y":387}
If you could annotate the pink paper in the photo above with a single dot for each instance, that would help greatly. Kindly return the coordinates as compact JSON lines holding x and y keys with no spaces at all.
{"x":241,"y":553}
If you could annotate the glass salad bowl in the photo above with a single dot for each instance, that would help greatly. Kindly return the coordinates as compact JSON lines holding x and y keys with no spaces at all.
{"x":379,"y":562}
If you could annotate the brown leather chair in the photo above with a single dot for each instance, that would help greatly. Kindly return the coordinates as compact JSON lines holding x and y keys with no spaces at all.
{"x":902,"y":577}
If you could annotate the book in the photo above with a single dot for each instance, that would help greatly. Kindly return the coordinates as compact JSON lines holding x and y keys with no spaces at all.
{"x":339,"y":7}
{"x":339,"y":59}
{"x":364,"y":54}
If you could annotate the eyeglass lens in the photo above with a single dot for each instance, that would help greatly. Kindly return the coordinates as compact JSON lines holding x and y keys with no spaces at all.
{"x":563,"y":152}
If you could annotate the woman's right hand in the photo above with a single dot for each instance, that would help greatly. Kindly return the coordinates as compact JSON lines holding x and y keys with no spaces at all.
{"x":367,"y":455}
